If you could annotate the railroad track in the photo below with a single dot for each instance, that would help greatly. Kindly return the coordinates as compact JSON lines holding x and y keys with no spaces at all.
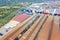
{"x":37,"y":27}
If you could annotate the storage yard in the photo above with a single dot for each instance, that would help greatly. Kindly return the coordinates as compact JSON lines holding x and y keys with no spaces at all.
{"x":39,"y":21}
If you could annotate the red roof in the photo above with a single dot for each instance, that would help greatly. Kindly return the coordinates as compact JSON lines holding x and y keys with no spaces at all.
{"x":21,"y":17}
{"x":45,"y":12}
{"x":58,"y":14}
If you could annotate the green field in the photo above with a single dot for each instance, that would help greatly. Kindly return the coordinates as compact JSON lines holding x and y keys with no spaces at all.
{"x":7,"y":14}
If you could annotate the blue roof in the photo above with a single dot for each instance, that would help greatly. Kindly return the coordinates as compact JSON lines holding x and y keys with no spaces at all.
{"x":1,"y":34}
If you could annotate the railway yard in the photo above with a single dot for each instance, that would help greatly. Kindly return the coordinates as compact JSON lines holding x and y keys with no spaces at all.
{"x":38,"y":21}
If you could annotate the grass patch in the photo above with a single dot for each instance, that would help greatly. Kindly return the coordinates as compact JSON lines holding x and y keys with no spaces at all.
{"x":9,"y":17}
